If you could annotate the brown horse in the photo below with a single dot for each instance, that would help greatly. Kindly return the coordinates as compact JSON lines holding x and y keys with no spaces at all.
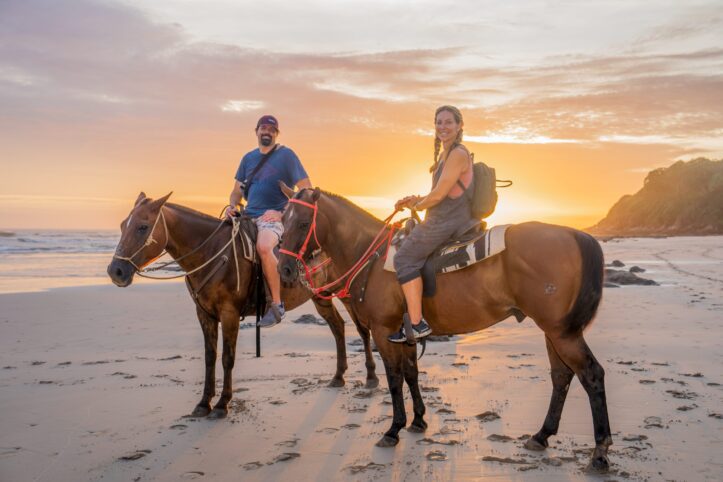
{"x":152,"y":226}
{"x":552,"y":274}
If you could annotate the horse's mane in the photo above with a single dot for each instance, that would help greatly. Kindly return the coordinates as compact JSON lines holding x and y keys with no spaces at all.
{"x":193,"y":212}
{"x":367,"y":216}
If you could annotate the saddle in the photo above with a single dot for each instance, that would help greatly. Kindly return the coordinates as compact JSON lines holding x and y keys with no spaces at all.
{"x":472,"y":247}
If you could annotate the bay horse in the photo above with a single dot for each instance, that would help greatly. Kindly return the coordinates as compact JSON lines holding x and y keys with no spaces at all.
{"x":552,"y":274}
{"x":155,"y":225}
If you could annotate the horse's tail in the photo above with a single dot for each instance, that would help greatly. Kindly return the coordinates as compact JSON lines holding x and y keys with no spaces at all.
{"x":591,"y":284}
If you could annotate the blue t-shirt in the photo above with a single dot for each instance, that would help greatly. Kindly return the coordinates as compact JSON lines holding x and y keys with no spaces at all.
{"x":265,"y":193}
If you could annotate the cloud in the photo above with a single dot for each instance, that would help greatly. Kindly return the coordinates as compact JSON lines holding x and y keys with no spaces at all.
{"x":242,"y":105}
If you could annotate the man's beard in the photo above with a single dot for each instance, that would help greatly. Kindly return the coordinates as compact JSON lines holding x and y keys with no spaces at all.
{"x":266,"y":141}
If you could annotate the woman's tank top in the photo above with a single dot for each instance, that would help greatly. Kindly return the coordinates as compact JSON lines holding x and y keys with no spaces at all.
{"x":457,"y":207}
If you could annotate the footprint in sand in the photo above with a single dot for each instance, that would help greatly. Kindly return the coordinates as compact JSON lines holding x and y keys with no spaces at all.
{"x":178,"y":426}
{"x":327,"y":430}
{"x":193,"y":474}
{"x":653,"y":422}
{"x":138,"y":454}
{"x":685,"y":408}
{"x":430,"y":441}
{"x":356,"y":469}
{"x":682,"y":394}
{"x":499,"y":438}
{"x":253,"y":465}
{"x":286,"y":456}
{"x":692,"y":375}
{"x":488,"y":416}
{"x":437,"y":456}
{"x":504,"y":460}
{"x":288,"y":443}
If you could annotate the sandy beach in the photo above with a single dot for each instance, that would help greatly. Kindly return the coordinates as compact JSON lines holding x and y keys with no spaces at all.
{"x":97,"y":381}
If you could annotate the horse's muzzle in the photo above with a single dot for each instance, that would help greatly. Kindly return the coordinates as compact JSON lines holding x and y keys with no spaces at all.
{"x":121,"y":272}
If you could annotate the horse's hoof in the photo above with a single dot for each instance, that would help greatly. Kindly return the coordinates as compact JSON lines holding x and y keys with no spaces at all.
{"x":200,"y":411}
{"x":371,"y":383}
{"x":417,"y":427}
{"x":336,"y":382}
{"x":387,"y":441}
{"x":598,"y":465}
{"x":534,"y":444}
{"x":218,"y":413}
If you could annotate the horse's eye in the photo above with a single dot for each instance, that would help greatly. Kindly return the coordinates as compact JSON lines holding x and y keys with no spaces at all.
{"x":304,"y":225}
{"x":142,"y":228}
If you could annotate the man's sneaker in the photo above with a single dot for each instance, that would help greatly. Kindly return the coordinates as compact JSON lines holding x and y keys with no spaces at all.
{"x":420,"y":331}
{"x":274,"y":315}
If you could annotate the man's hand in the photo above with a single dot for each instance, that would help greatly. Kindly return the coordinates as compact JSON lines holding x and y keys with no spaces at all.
{"x":230,"y":212}
{"x":271,"y":216}
{"x":406,"y":202}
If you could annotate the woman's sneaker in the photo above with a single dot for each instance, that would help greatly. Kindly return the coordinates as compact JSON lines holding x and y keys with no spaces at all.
{"x":420,"y":331}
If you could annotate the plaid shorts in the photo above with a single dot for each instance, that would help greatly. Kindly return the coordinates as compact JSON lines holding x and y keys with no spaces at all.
{"x":275,"y":227}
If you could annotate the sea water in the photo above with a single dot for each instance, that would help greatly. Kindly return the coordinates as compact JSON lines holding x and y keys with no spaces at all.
{"x":36,"y":260}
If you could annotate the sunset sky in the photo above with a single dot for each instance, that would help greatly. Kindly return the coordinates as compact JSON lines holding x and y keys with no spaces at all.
{"x":573,"y":101}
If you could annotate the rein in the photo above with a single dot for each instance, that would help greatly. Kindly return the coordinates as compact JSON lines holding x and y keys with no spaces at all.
{"x":352,"y":272}
{"x":141,"y":271}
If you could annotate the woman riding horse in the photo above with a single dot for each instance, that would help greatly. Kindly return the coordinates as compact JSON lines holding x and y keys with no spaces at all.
{"x":449,"y":214}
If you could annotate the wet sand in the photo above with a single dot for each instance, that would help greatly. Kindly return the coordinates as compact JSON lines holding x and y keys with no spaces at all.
{"x":96,"y":383}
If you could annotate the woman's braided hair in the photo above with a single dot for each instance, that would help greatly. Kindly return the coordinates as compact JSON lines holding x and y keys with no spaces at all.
{"x":437,"y":142}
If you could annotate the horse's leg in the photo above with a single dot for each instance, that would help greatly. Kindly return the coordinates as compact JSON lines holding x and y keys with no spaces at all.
{"x":561,"y":378}
{"x":209,"y":326}
{"x":336,"y":323}
{"x":365,"y":334}
{"x":372,"y":380}
{"x":411,"y":375}
{"x":392,"y":355}
{"x":577,"y":355}
{"x":229,"y":329}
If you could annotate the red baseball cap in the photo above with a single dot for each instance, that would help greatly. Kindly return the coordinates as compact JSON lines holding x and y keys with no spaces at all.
{"x":268,"y":120}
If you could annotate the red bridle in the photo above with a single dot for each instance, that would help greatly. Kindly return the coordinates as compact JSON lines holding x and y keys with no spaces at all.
{"x":378,"y":241}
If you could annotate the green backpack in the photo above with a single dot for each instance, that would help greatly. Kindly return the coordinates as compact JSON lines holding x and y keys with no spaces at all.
{"x":483,"y":195}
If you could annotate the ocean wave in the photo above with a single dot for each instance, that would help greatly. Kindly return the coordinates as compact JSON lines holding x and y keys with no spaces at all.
{"x":58,"y":242}
{"x":6,"y":234}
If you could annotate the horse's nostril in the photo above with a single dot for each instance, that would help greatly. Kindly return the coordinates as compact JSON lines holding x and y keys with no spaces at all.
{"x":118,"y":272}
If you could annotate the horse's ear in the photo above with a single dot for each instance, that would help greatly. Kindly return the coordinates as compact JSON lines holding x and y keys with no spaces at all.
{"x":317,"y":193}
{"x":161,"y":201}
{"x":288,"y":192}
{"x":140,"y":198}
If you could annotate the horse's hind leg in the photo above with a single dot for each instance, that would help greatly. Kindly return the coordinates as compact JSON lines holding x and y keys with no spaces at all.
{"x":336,"y":323}
{"x":577,"y":355}
{"x":209,"y":326}
{"x":561,"y":378}
{"x":411,"y":376}
{"x":229,"y":328}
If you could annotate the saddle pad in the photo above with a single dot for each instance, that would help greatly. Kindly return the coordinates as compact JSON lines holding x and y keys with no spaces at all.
{"x":455,"y":256}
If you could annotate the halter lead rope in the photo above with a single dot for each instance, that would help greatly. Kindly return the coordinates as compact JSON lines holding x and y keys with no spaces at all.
{"x":352,"y":272}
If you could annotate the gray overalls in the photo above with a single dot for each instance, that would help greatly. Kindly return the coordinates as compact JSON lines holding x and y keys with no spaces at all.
{"x":444,"y":222}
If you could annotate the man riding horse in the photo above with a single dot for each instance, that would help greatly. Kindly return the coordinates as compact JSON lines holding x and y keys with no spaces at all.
{"x":257,"y":180}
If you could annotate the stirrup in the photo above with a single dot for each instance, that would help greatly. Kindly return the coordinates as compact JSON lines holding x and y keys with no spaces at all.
{"x":411,"y":334}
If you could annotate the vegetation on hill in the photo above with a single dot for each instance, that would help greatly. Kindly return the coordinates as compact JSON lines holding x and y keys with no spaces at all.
{"x":683,"y":199}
